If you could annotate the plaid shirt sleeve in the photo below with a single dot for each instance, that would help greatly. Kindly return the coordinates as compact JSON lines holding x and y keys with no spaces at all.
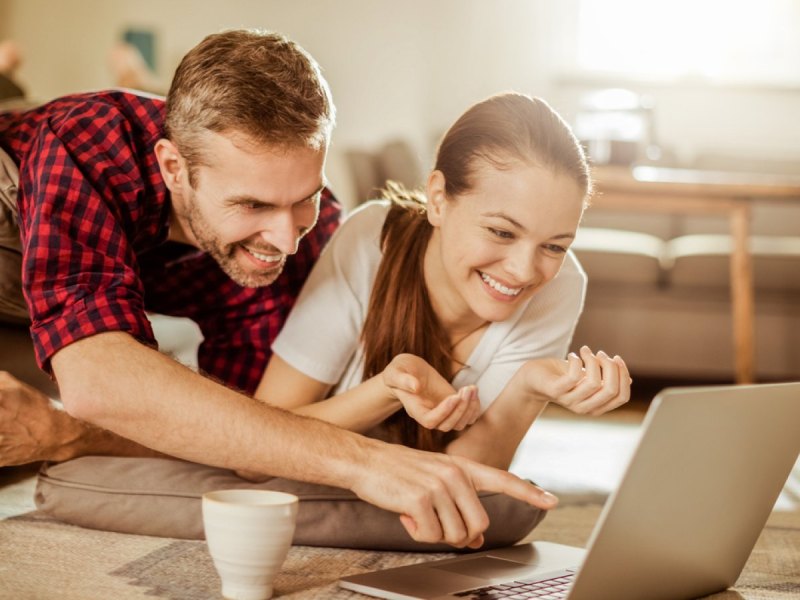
{"x":78,"y":187}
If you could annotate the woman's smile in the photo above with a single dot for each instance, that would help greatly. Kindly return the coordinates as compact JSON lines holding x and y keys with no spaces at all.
{"x":498,"y":289}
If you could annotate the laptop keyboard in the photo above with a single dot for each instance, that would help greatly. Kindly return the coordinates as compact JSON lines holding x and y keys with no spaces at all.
{"x":547,"y":589}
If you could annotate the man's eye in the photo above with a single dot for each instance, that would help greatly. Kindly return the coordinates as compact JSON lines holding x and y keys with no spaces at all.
{"x":252,"y":205}
{"x":505,"y":235}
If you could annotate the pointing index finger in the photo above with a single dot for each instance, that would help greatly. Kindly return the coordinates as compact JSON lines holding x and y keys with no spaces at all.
{"x":489,"y":479}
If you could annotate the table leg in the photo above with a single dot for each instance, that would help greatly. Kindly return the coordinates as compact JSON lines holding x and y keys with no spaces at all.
{"x":742,"y":300}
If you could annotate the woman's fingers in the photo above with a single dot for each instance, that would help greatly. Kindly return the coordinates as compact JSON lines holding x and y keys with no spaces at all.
{"x":624,"y":389}
{"x":610,"y":373}
{"x":586,"y":381}
{"x":398,"y":379}
{"x":608,"y":389}
{"x":615,"y":391}
{"x":593,"y":374}
{"x":433,"y":418}
{"x":574,"y":367}
{"x":455,"y":412}
{"x":473,"y":407}
{"x":476,"y":406}
{"x":624,"y":373}
{"x":604,"y":386}
{"x":418,"y":386}
{"x":462,"y":411}
{"x":572,"y":376}
{"x":450,"y":421}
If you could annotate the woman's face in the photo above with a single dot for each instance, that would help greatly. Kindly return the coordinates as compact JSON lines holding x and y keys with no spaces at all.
{"x":494,"y":246}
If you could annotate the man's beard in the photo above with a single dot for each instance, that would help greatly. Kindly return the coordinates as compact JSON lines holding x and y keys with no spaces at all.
{"x":225,"y":254}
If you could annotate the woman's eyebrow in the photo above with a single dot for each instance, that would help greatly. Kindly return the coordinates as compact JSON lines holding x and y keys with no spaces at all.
{"x":500,"y":215}
{"x":518,"y":225}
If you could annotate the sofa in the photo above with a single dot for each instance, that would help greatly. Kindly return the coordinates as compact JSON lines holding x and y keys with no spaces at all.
{"x":659,"y":292}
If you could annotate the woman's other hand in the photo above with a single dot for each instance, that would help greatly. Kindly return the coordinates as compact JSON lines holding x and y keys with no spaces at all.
{"x":590,"y":384}
{"x":428,"y":397}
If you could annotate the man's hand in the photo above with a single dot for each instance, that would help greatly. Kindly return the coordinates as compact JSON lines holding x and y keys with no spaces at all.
{"x":29,"y":423}
{"x":428,"y":397}
{"x":590,"y":384}
{"x":436,"y":494}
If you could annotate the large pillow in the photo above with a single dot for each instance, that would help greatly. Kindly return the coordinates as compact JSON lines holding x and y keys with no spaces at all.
{"x":161,"y":497}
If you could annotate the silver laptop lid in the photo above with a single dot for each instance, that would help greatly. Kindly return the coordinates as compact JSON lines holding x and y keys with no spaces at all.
{"x":709,"y":467}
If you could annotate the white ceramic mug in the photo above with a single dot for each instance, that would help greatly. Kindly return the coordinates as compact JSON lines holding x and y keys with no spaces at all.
{"x":249,"y":533}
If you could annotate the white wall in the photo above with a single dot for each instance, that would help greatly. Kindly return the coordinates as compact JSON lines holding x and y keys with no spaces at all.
{"x":396,"y":68}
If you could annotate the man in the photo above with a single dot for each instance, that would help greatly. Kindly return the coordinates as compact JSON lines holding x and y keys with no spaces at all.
{"x":197,"y":210}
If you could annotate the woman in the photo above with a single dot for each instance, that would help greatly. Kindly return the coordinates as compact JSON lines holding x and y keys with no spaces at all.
{"x":470,"y":288}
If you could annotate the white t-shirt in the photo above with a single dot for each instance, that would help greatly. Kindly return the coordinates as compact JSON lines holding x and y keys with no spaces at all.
{"x":321,"y":337}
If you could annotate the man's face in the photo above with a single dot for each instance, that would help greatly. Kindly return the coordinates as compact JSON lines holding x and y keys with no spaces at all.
{"x":250,"y":204}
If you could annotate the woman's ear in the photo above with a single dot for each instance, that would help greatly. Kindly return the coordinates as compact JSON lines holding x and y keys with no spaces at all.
{"x":437,"y":198}
{"x":171,"y":164}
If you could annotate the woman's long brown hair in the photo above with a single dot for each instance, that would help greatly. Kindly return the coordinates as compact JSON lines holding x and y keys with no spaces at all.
{"x":503,"y":129}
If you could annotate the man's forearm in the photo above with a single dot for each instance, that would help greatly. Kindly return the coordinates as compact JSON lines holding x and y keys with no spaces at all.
{"x":122,"y":386}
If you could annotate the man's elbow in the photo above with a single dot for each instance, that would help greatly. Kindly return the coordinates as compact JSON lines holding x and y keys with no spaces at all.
{"x":80,"y":387}
{"x":79,"y":402}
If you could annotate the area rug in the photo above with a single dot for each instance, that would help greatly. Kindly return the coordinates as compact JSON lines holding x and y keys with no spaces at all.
{"x":43,"y":559}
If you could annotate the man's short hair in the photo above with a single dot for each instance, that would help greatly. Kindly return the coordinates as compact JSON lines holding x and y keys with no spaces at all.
{"x":257,"y":83}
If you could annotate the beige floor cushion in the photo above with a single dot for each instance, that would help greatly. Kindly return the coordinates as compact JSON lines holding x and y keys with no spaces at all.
{"x":161,"y":497}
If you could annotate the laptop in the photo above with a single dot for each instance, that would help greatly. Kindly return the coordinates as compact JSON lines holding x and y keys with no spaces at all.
{"x":708,"y":468}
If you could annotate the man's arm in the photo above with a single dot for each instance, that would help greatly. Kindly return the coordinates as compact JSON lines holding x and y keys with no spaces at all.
{"x":118,"y":384}
{"x":33,"y":428}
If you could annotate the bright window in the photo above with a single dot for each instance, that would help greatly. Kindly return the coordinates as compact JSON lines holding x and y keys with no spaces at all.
{"x":724,"y":41}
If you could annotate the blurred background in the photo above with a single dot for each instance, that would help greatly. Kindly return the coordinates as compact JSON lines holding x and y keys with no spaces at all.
{"x":721,"y":77}
{"x":710,"y":86}
{"x":704,"y":89}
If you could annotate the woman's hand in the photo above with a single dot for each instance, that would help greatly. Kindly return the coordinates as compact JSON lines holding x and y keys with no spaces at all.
{"x":427,"y":396}
{"x":590,"y":384}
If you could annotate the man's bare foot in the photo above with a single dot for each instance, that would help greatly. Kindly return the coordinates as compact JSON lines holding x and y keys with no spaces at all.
{"x":130,"y":70}
{"x":10,"y":57}
{"x":29,"y":423}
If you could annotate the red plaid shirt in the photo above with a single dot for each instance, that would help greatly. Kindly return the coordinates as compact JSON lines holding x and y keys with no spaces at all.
{"x":94,"y":216}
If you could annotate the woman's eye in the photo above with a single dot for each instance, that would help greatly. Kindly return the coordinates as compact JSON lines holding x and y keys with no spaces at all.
{"x":555,"y":248}
{"x":505,"y":235}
